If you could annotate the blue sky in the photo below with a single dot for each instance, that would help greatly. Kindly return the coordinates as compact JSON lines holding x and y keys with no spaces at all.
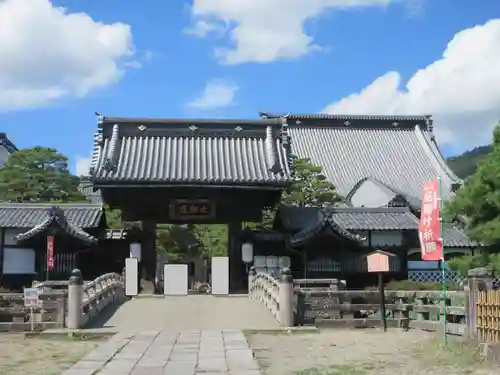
{"x":158,"y":57}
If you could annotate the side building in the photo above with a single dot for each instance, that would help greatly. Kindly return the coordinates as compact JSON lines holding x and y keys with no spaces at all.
{"x":379,"y":164}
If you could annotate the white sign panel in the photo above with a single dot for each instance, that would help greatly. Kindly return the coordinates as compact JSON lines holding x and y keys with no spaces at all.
{"x":175,"y":279}
{"x":131,"y":277}
{"x":220,"y":275}
{"x":31,"y":297}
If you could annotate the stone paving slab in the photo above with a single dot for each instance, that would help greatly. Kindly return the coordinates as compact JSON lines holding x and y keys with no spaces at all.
{"x":189,"y":352}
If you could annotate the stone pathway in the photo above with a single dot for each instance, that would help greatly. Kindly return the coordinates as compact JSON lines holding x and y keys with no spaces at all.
{"x":190,"y":352}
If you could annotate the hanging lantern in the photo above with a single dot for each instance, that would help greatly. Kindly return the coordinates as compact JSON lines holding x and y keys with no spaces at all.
{"x":135,"y":251}
{"x":247,"y":252}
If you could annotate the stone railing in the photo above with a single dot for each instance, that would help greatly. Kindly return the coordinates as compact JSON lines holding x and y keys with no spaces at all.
{"x":62,"y":303}
{"x":275,"y":294}
{"x":86,"y":301}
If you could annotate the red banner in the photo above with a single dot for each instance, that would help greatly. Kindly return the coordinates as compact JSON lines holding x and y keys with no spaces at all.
{"x":50,"y":252}
{"x":429,"y":229}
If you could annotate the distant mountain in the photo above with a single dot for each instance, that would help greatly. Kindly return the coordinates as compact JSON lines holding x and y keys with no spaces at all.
{"x":465,"y":164}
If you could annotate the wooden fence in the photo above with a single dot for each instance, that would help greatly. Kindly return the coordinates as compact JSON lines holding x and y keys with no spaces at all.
{"x":488,"y":316}
{"x":14,"y":317}
{"x":357,"y":308}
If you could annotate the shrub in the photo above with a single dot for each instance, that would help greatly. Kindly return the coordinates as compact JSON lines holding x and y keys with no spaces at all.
{"x":412,"y":285}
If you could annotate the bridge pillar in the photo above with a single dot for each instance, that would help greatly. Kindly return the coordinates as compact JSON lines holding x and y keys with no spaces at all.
{"x":75,"y":299}
{"x":251,"y":275}
{"x":285,"y":297}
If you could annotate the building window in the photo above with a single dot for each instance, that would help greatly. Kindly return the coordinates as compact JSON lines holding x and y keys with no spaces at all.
{"x":10,"y":236}
{"x":18,"y":261}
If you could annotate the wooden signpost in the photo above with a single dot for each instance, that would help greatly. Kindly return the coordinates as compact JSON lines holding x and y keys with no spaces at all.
{"x":378,"y":261}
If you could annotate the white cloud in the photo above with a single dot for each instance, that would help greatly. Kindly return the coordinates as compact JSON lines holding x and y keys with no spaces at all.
{"x":266,"y":30}
{"x":47,"y":53}
{"x":216,"y":94}
{"x":461,"y":90}
{"x":203,"y":28}
{"x":82,"y":165}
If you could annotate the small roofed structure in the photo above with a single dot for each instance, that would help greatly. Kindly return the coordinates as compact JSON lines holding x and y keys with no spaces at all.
{"x":56,"y":224}
{"x":24,"y":227}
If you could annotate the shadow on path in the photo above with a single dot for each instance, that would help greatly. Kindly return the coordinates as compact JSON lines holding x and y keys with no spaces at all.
{"x":103,"y":318}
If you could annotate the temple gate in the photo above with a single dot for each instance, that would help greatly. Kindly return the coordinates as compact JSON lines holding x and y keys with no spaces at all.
{"x":197,"y":171}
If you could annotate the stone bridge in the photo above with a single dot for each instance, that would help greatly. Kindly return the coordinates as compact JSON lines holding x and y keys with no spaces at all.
{"x":102,"y":303}
{"x":193,"y":334}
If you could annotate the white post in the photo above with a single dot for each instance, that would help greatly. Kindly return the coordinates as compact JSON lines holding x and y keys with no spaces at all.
{"x":75,"y":299}
{"x":285,"y":295}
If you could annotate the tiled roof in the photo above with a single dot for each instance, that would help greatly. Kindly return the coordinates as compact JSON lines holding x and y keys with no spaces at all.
{"x":351,"y":219}
{"x":193,"y":151}
{"x":29,"y":215}
{"x":454,"y":237}
{"x":297,"y":219}
{"x":55,"y":218}
{"x":399,"y":151}
{"x":87,"y":189}
{"x":322,"y":223}
{"x":7,"y":143}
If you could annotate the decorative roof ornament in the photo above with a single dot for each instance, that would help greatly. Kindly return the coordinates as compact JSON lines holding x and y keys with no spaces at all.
{"x":395,"y":123}
{"x":238,"y":128}
{"x":193,"y":128}
{"x":141,"y":127}
{"x":298,"y":122}
{"x":347,"y":123}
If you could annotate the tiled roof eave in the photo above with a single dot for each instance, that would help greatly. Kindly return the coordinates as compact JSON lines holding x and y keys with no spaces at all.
{"x":323,"y":224}
{"x":320,"y":116}
{"x":112,"y":181}
{"x":62,"y":225}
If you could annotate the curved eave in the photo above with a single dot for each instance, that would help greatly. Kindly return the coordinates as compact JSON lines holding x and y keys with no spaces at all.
{"x":324,"y":224}
{"x":63,"y":226}
{"x":431,"y":148}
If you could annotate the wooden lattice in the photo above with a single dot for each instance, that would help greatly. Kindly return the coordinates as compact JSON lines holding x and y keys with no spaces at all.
{"x":488,"y":316}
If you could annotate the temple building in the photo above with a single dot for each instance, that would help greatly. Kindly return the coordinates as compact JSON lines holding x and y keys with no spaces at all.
{"x":226,"y":171}
{"x":379,"y":164}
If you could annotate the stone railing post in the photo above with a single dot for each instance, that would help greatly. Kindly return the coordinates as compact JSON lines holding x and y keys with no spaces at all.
{"x":478,"y":279}
{"x":285,"y":296}
{"x":75,"y":299}
{"x":251,"y":275}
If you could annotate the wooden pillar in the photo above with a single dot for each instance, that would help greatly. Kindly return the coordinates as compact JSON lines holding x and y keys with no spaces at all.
{"x":479,"y":279}
{"x":234,"y":254}
{"x":148,"y":263}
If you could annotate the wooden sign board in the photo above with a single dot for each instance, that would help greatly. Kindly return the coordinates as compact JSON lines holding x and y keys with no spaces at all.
{"x":378,"y":261}
{"x":192,"y":209}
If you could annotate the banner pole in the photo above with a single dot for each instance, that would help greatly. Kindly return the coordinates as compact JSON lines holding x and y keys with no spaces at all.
{"x":443,"y":265}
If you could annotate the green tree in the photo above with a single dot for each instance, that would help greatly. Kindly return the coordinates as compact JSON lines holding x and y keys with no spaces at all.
{"x":310,"y":187}
{"x":176,"y":242}
{"x":113,"y":217}
{"x":212,"y":239}
{"x":479,"y":198}
{"x":38,"y":174}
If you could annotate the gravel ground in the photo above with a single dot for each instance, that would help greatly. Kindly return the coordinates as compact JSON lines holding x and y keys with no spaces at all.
{"x":20,"y":356}
{"x":365,"y":352}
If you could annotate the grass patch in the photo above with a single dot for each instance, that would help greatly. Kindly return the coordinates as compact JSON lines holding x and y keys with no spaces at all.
{"x":457,"y":353}
{"x":334,"y":370}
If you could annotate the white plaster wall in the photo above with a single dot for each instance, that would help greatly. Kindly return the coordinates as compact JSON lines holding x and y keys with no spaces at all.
{"x":386,"y":238}
{"x":370,"y":194}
